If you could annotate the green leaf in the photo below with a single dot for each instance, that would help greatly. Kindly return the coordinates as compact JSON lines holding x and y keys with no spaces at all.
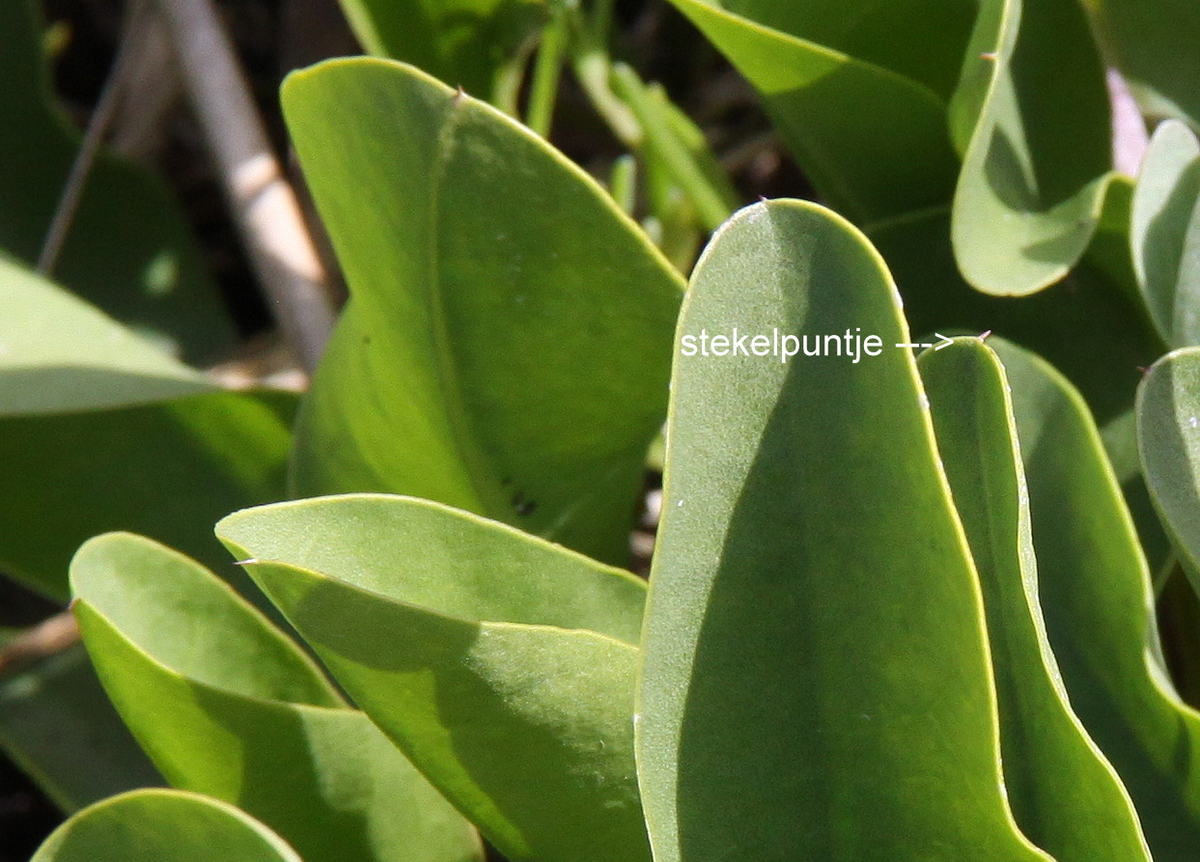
{"x":506,"y":346}
{"x":166,"y":470}
{"x":129,"y":250}
{"x":463,"y":42}
{"x":795,"y":664}
{"x":60,"y":354}
{"x":1099,"y":609}
{"x":1164,"y":233}
{"x":1065,"y":796}
{"x":1157,"y":47}
{"x":1034,"y":177}
{"x":455,"y":562}
{"x":859,"y":93}
{"x":228,"y":706}
{"x":57,"y":724}
{"x":468,"y":642}
{"x":166,"y":826}
{"x":1168,"y":417}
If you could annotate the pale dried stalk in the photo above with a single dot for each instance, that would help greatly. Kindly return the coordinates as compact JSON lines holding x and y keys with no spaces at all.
{"x":268,"y":215}
{"x":42,"y":641}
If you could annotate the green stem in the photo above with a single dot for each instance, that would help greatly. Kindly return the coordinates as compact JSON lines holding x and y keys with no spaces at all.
{"x":712,"y":203}
{"x":623,"y":183}
{"x":546,"y":73}
{"x":602,"y":16}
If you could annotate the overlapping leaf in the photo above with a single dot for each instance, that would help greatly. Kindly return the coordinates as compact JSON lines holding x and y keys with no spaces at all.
{"x":128,"y":250}
{"x":226,"y":705}
{"x":1066,"y":797}
{"x":60,"y":354}
{"x":795,"y":658}
{"x":866,"y":96}
{"x":166,"y":826}
{"x":502,"y":665}
{"x":1035,"y":173}
{"x":857,"y":90}
{"x":1099,"y":610}
{"x":506,"y":346}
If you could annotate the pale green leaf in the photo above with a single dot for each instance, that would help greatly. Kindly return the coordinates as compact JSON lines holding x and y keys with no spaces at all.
{"x":1099,"y":609}
{"x":1065,"y":796}
{"x":816,"y":682}
{"x":506,"y":345}
{"x":468,"y":643}
{"x":59,"y":354}
{"x":1034,"y":176}
{"x":1164,"y":233}
{"x":228,"y":706}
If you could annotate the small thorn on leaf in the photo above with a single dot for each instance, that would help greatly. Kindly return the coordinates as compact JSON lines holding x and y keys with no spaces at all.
{"x":762,"y":199}
{"x":983,"y":336}
{"x":1145,"y":369}
{"x":988,"y":55}
{"x":460,"y":95}
{"x":249,"y":562}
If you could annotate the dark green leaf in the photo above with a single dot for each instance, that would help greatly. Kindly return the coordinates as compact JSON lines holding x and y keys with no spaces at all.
{"x":166,"y":470}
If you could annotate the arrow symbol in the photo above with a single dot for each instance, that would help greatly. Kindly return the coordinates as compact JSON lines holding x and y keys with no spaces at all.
{"x":945,"y":342}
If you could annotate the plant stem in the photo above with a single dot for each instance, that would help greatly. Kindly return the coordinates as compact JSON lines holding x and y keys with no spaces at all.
{"x":622,"y":184}
{"x":265,"y":206}
{"x":47,"y":638}
{"x":546,"y":73}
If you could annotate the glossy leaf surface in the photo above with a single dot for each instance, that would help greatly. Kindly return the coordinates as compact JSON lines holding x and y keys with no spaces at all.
{"x":226,"y":705}
{"x":166,"y":826}
{"x":506,"y":345}
{"x":128,"y":250}
{"x":469,"y":644}
{"x":1165,"y":233}
{"x":795,"y":662}
{"x":1099,"y":610}
{"x":1065,"y":796}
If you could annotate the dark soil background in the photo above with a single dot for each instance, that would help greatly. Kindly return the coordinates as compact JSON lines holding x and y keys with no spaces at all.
{"x":275,"y":36}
